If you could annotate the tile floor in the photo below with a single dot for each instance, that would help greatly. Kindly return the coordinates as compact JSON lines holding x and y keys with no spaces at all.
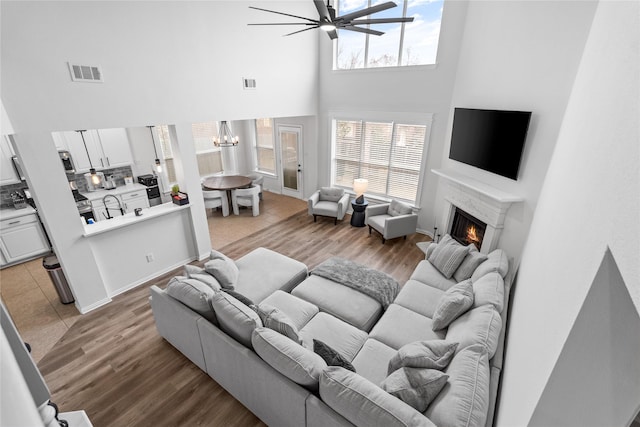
{"x":42,"y":319}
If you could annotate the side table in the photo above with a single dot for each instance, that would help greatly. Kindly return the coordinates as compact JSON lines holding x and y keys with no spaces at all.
{"x":357,"y":217}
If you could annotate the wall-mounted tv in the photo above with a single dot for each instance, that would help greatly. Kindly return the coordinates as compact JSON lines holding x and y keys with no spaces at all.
{"x":492,"y":140}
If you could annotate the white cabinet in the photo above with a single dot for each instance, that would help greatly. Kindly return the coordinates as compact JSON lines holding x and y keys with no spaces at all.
{"x":7,"y":172}
{"x":105,"y":148}
{"x":22,"y":238}
{"x":135,"y":199}
{"x":112,"y":208}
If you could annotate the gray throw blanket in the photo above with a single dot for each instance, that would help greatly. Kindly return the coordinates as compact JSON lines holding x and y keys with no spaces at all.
{"x":380,"y":286}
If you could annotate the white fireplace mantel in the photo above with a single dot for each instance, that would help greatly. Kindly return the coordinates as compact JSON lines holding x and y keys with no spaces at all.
{"x":483,"y":201}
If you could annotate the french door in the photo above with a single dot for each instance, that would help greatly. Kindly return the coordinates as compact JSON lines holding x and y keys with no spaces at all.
{"x":290,"y":142}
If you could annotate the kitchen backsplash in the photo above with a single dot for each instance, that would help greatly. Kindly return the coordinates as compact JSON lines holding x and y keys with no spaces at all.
{"x":118,"y":173}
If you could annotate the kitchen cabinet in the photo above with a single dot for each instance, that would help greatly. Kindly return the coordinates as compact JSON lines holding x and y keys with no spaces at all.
{"x":99,"y":208}
{"x":105,"y":148}
{"x":7,"y":172}
{"x":21,"y":238}
{"x":135,"y":199}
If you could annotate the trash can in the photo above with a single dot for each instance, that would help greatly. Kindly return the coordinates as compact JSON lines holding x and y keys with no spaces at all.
{"x":51,"y":264}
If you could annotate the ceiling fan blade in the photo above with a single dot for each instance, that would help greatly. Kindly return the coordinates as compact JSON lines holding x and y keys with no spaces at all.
{"x":288,"y":23}
{"x":285,"y":14}
{"x":322,"y":10}
{"x":362,"y":30}
{"x":368,"y":11}
{"x":380,"y":21}
{"x":296,"y":32}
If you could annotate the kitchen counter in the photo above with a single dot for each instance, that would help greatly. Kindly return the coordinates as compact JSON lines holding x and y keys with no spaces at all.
{"x":99,"y":194}
{"x":10,"y":213}
{"x":129,"y":219}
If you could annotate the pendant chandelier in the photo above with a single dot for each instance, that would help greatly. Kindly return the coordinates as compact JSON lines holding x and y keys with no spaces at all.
{"x":95,"y":179}
{"x":157,"y":162}
{"x":225,"y":138}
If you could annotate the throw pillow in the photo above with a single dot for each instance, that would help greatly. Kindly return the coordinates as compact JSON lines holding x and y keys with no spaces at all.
{"x":448,"y":257}
{"x":237,"y":295}
{"x":469,"y":264}
{"x":275,"y":319}
{"x":198,"y":273}
{"x":223,"y":269}
{"x":416,"y":387}
{"x":456,"y":301}
{"x":194,"y":294}
{"x":433,"y":354}
{"x":330,"y":356}
{"x":397,"y":208}
{"x":235,"y":318}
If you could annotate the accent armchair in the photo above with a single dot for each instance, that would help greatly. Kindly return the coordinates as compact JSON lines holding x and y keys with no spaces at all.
{"x":256,"y":179}
{"x":246,"y":197}
{"x":216,"y":199}
{"x":391,"y":220}
{"x":330,"y":202}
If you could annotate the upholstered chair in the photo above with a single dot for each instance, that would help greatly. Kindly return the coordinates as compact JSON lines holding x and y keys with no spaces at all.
{"x":329,"y":201}
{"x":246,"y":197}
{"x":216,"y":199}
{"x":256,"y":179}
{"x":391,"y":220}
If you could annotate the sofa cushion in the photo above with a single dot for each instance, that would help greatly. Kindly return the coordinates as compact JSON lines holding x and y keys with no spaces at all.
{"x":330,"y":356}
{"x":397,"y":208}
{"x":237,"y":295}
{"x":480,"y":325}
{"x":447,"y":258}
{"x":331,"y":194}
{"x":417,"y":387}
{"x":194,"y":294}
{"x":326,"y":208}
{"x":345,"y":303}
{"x":297,"y":309}
{"x":275,"y":319}
{"x":464,"y":400}
{"x":235,"y":318}
{"x":469,"y":264}
{"x":456,"y":301}
{"x":372,"y":360}
{"x":496,"y":261}
{"x":425,"y":272}
{"x":364,"y":403}
{"x":489,"y":289}
{"x":199,"y":273}
{"x":378,"y":221}
{"x":223,"y":269}
{"x":295,"y":362}
{"x":400,"y":326}
{"x":419,"y":297}
{"x":263,"y":271}
{"x":433,"y":354}
{"x":341,"y":336}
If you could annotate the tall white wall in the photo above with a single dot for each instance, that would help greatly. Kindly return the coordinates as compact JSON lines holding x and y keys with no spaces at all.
{"x":426,"y":89}
{"x":590,"y":201}
{"x":518,"y":56}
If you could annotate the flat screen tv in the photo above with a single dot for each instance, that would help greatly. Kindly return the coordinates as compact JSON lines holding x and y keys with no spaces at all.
{"x":492,"y":140}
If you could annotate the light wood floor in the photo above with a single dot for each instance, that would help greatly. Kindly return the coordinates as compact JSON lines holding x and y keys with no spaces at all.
{"x":112,"y":363}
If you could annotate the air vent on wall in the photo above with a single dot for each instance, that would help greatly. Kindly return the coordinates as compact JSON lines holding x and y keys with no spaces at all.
{"x":85,"y":73}
{"x":249,"y":83}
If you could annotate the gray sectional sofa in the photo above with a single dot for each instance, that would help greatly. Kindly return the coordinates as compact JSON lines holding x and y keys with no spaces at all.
{"x":277,"y":375}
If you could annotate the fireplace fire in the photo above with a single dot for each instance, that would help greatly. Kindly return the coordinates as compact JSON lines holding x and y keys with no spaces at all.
{"x":466,"y":229}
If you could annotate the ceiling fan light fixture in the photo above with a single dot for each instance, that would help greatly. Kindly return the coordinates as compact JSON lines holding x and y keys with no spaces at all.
{"x":327,"y":26}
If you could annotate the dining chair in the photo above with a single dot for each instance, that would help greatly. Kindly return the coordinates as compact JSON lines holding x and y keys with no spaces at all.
{"x":216,"y":199}
{"x":256,"y":179}
{"x":246,"y":197}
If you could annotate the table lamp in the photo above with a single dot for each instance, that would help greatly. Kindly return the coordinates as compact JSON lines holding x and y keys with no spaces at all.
{"x":359,"y":187}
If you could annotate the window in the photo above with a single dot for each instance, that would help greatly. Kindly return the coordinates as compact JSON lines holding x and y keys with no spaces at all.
{"x":208,"y":155}
{"x":265,"y":153}
{"x":403,"y":44}
{"x":388,"y":154}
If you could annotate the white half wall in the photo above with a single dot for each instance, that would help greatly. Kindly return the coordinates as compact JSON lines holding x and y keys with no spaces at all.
{"x":590,"y":201}
{"x":518,"y":55}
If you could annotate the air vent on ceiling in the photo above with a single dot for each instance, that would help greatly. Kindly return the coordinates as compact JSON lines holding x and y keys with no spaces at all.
{"x":85,"y":73}
{"x":249,"y":83}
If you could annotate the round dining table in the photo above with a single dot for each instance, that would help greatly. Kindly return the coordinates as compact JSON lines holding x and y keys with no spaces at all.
{"x":226,"y":182}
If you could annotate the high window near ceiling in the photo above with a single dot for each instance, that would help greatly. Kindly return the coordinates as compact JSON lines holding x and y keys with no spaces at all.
{"x":264,"y":146}
{"x":388,"y":154}
{"x":403,"y":44}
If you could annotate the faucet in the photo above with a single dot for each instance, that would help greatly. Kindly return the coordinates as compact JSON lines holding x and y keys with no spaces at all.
{"x":104,"y":200}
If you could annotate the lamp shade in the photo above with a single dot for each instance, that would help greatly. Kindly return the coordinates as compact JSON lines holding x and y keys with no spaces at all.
{"x":360,"y":186}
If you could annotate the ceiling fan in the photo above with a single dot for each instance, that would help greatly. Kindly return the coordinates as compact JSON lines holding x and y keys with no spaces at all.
{"x":329,"y":22}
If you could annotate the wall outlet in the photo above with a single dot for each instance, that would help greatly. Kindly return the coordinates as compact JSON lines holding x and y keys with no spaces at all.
{"x":150,"y":258}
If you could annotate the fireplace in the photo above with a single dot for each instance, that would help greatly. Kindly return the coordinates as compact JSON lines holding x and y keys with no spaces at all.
{"x":467,"y":229}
